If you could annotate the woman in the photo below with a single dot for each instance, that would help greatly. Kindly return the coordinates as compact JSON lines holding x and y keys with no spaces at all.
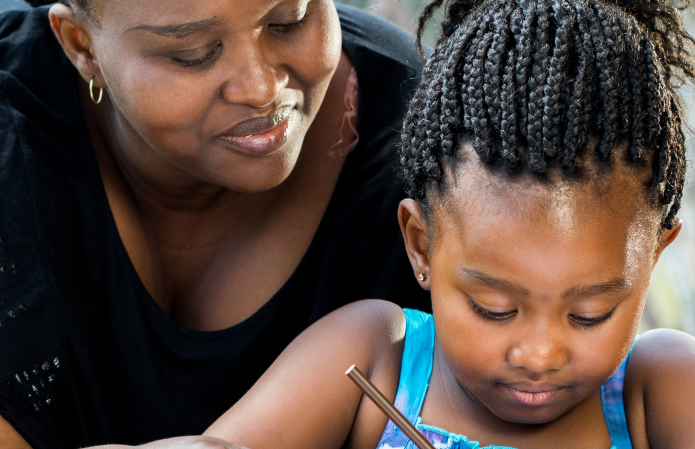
{"x":179,"y":204}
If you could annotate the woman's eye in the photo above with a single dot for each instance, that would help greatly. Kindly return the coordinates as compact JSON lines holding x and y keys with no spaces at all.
{"x":586,"y":321}
{"x":289,"y":26}
{"x":496,"y":316}
{"x":197,"y":62}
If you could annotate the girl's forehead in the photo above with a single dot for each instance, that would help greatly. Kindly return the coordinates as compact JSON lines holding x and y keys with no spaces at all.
{"x":617,"y":196}
{"x":568,"y":229}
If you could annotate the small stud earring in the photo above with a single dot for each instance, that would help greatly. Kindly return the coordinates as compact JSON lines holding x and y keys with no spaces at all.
{"x":421,"y":277}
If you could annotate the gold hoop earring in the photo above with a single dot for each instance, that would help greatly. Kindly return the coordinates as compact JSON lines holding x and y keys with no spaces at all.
{"x":421,"y":277}
{"x":91,"y":91}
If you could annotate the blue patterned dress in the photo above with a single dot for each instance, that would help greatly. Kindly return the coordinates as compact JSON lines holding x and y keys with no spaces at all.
{"x":416,"y":368}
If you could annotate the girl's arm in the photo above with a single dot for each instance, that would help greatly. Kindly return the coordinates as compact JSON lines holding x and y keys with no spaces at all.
{"x":660,"y":400}
{"x":305,"y":400}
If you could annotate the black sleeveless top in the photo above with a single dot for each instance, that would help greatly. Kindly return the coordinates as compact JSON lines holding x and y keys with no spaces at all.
{"x":86,"y":356}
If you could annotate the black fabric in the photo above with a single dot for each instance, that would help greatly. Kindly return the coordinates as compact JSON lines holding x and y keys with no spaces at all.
{"x":86,"y":356}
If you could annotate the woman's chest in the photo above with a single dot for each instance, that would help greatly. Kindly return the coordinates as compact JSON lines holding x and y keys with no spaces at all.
{"x":212,"y":271}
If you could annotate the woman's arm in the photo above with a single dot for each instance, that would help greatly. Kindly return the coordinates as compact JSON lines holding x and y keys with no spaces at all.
{"x":10,"y":438}
{"x":660,"y":400}
{"x":305,"y":400}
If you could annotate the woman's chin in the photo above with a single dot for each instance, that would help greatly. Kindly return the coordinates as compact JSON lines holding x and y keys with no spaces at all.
{"x":262,"y":179}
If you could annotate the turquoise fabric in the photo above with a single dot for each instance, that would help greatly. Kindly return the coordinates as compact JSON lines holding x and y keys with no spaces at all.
{"x":416,"y":369}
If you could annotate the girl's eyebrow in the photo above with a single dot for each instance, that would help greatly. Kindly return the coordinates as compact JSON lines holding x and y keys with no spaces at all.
{"x":178,"y":31}
{"x":615,"y":285}
{"x":479,"y":278}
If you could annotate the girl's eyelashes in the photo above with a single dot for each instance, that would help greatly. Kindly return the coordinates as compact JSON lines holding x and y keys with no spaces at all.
{"x":504,"y":316}
{"x":203,"y":61}
{"x":487,"y":314}
{"x":584,"y":321}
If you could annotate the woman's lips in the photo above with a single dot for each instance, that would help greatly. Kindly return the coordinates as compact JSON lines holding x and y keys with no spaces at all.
{"x":261,"y":135}
{"x":533,"y":394}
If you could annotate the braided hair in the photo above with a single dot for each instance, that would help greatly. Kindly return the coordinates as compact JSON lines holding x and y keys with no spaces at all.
{"x":531,"y":83}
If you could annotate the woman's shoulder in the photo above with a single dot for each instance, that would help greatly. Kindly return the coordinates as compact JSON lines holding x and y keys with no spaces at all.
{"x":660,"y":388}
{"x":27,"y":43}
{"x":361,"y":28}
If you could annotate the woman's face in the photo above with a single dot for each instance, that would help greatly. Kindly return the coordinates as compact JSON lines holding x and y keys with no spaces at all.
{"x":537,"y":292}
{"x":223,"y":89}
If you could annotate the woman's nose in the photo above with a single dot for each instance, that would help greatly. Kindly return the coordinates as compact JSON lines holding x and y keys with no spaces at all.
{"x":539,"y":352}
{"x":253,"y":79}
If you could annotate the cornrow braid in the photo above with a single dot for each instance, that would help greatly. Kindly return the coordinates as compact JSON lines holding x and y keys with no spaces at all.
{"x":531,"y":82}
{"x":556,"y":84}
{"x":581,"y":96}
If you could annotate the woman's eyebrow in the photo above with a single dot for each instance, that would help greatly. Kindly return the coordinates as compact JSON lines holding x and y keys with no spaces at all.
{"x":178,"y":31}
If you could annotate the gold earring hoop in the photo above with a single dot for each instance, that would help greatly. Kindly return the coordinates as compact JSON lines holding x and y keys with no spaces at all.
{"x":91,"y":91}
{"x":421,"y":277}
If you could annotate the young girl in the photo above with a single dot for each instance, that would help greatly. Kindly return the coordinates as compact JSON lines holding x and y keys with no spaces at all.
{"x":544,"y":157}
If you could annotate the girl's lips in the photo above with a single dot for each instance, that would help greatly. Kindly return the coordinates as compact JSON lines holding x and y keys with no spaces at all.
{"x":260,"y":143}
{"x":537,"y":397}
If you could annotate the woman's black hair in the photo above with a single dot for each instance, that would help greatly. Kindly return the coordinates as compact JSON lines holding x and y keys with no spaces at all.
{"x":80,"y":5}
{"x":531,"y":83}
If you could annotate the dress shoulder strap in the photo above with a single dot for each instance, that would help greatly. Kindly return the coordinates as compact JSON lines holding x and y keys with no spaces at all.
{"x":416,"y":369}
{"x":613,"y":407}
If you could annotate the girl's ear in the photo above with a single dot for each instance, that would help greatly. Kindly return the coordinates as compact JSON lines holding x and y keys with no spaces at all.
{"x":72,"y":33}
{"x":417,"y":245}
{"x":666,"y":238}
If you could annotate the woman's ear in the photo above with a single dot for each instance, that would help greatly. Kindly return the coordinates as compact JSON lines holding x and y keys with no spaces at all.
{"x":666,"y":238}
{"x":417,"y":245}
{"x":72,"y":33}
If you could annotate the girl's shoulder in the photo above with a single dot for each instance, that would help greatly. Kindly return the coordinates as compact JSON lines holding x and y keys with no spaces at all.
{"x":660,"y":389}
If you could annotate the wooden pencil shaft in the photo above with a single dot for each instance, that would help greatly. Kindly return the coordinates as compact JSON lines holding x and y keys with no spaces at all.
{"x":398,"y":419}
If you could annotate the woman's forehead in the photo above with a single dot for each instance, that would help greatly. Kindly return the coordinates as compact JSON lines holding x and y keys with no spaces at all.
{"x":128,"y":13}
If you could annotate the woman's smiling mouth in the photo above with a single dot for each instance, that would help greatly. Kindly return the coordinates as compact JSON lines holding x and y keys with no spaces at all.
{"x":262,"y":135}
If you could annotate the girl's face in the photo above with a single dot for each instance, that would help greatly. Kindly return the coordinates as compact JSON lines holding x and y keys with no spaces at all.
{"x":224,"y":89}
{"x":537,"y":291}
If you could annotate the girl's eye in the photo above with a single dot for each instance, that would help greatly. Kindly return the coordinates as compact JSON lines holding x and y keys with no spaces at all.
{"x":496,"y":316}
{"x":585,"y":321}
{"x":208,"y":58}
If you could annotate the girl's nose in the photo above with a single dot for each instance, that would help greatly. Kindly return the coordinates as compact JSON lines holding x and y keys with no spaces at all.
{"x":253,"y":79}
{"x":539,"y":352}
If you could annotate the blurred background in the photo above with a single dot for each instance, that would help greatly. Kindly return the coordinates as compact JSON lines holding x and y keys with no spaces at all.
{"x":671,"y":300}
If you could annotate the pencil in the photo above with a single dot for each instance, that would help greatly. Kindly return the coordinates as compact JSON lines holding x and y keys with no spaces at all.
{"x":398,"y":419}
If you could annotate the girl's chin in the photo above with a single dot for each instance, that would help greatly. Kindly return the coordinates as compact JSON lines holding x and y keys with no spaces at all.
{"x":525,"y":414}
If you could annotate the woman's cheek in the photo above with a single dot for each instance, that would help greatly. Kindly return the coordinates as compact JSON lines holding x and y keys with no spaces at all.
{"x":315,"y":54}
{"x":159,"y":98}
